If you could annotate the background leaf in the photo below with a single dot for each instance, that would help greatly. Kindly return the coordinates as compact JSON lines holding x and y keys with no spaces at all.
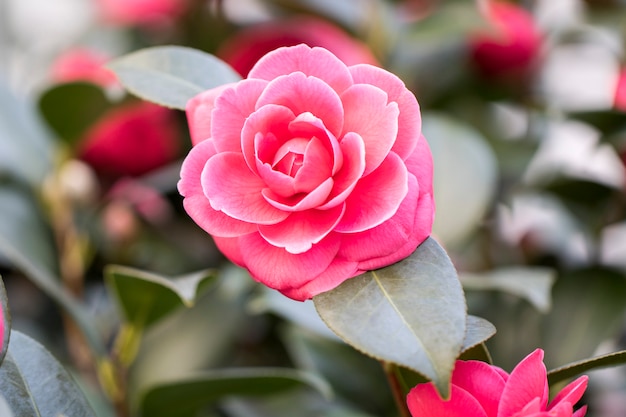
{"x":171,"y":75}
{"x":35,"y":384}
{"x":574,"y":369}
{"x":416,"y":305}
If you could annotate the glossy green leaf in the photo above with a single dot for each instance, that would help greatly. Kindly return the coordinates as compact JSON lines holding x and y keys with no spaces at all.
{"x":574,"y":369}
{"x":25,"y":240}
{"x":411,"y":313}
{"x":35,"y":384}
{"x":531,"y":283}
{"x":145,"y":297}
{"x":465,"y":176}
{"x":184,"y":397}
{"x":5,"y":322}
{"x":70,"y":109}
{"x":171,"y":75}
{"x":25,"y":145}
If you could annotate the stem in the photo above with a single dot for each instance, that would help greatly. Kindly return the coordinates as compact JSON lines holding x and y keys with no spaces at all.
{"x":396,"y":389}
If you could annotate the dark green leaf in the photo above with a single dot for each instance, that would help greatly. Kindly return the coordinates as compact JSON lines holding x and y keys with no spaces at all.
{"x":145,"y":297}
{"x":5,"y":322}
{"x":35,"y":384}
{"x":70,"y":109}
{"x":171,"y":75}
{"x":411,"y":313}
{"x":184,"y":397}
{"x":574,"y":369}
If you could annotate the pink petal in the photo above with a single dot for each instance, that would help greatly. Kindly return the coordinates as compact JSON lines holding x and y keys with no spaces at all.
{"x":199,"y":109}
{"x":307,"y":125}
{"x":230,"y":247}
{"x":300,"y":202}
{"x":580,"y":412}
{"x":353,"y":166}
{"x":376,"y":198}
{"x":572,"y":393}
{"x":279,"y":269}
{"x":302,"y":94}
{"x":263,"y":133}
{"x":368,"y":114}
{"x":424,"y":401}
{"x":316,"y":62}
{"x":233,"y":189}
{"x":191,"y":169}
{"x":231,"y":110}
{"x":298,"y":232}
{"x":420,"y":164}
{"x":336,"y":273}
{"x":409,"y":120}
{"x":482,"y":381}
{"x":527,"y":381}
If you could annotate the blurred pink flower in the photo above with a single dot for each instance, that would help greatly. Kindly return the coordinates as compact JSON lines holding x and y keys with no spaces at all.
{"x":131,"y":141}
{"x":482,"y":390}
{"x":140,"y":12}
{"x":2,"y":347}
{"x":619,"y":97}
{"x":510,"y":46}
{"x":247,"y":46}
{"x":82,"y":64}
{"x":309,"y":172}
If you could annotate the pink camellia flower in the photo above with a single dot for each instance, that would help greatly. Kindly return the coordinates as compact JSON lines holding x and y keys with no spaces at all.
{"x":619,"y":96}
{"x":131,"y":141}
{"x":309,"y":172}
{"x":247,"y":46}
{"x":82,"y":64}
{"x":510,"y":47}
{"x":140,"y":12}
{"x":483,"y":390}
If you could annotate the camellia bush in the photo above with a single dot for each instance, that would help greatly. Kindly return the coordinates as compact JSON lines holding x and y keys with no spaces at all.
{"x":274,"y":208}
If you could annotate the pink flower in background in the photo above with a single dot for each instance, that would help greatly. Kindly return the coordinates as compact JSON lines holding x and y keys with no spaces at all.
{"x":131,"y":141}
{"x":619,"y":96}
{"x":82,"y":64}
{"x":1,"y":330}
{"x":247,"y":46}
{"x":309,"y":172}
{"x":483,"y":390}
{"x":510,"y":46}
{"x":140,"y":12}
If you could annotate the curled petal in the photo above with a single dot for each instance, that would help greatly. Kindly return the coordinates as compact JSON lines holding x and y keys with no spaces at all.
{"x":302,"y":201}
{"x":301,"y":230}
{"x":409,"y":119}
{"x":424,"y":401}
{"x":233,"y":189}
{"x":527,"y":381}
{"x":368,"y":114}
{"x":376,"y":198}
{"x":352,"y":168}
{"x":199,"y":109}
{"x":263,"y":133}
{"x":572,"y":393}
{"x":307,"y":125}
{"x":316,"y":62}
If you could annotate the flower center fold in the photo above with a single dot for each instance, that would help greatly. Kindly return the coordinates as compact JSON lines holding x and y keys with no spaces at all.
{"x":290,"y":157}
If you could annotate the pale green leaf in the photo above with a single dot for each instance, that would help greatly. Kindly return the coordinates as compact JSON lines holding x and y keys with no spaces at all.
{"x":574,"y":369}
{"x":171,"y":75}
{"x":531,"y":283}
{"x":412,"y":313}
{"x":5,"y":410}
{"x":35,"y":384}
{"x":478,"y":331}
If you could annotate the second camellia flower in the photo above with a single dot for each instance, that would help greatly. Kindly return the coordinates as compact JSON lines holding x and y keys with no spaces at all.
{"x":309,"y":172}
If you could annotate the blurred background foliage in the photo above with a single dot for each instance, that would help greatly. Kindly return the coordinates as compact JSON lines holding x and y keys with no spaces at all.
{"x":524,"y":111}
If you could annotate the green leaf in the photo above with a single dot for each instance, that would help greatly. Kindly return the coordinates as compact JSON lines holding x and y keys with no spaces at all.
{"x":70,"y":109}
{"x":5,"y":317}
{"x":35,"y":384}
{"x":144,"y":297}
{"x":478,"y":331}
{"x":26,"y":241}
{"x":411,"y":313}
{"x":171,"y":75}
{"x":5,"y":410}
{"x":185,"y":396}
{"x":574,"y":369}
{"x":531,"y":283}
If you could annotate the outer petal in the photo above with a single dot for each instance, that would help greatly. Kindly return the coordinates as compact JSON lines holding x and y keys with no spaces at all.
{"x":368,"y":114}
{"x":409,"y":120}
{"x":336,"y":273}
{"x":279,"y":269}
{"x":230,"y":247}
{"x":580,"y":412}
{"x":298,"y":232}
{"x":237,"y":194}
{"x":316,"y":62}
{"x":376,"y":198}
{"x":199,"y":110}
{"x":423,"y":401}
{"x":482,"y":381}
{"x":231,"y":110}
{"x":527,"y":381}
{"x":302,"y":94}
{"x":572,"y":393}
{"x":197,"y":205}
{"x":420,"y":164}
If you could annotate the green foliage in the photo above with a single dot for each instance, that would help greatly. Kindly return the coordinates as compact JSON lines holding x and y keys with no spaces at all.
{"x":171,"y":75}
{"x":416,"y":304}
{"x":33,"y":383}
{"x":574,"y":369}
